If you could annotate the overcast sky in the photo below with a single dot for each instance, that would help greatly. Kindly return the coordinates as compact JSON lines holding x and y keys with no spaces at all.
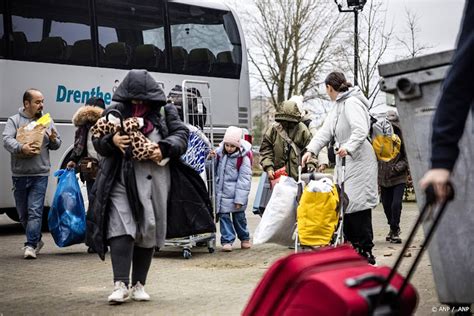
{"x":438,"y":23}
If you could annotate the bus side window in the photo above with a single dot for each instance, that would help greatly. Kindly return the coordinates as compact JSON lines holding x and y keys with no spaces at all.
{"x":51,"y":31}
{"x":148,"y":56}
{"x":180,"y":59}
{"x":204,"y":33}
{"x":52,"y":49}
{"x":82,"y":53}
{"x":117,"y":54}
{"x":200,"y":61}
{"x":132,"y":32}
{"x":19,"y":45}
{"x":225,"y":64}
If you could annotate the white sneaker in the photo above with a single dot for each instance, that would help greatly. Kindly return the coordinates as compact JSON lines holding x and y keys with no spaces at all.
{"x":39,"y":246}
{"x":139,"y":294}
{"x":30,"y":252}
{"x":120,"y":293}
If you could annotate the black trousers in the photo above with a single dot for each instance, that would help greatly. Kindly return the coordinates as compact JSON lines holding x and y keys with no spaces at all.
{"x":123,"y":253}
{"x":392,"y":204}
{"x":358,"y":230}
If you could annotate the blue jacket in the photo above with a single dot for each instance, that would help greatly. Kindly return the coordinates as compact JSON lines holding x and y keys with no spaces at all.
{"x":232,"y":185}
{"x":456,"y":98}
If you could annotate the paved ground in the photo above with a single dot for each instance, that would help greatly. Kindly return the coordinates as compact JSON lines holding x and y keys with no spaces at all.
{"x":70,"y":281}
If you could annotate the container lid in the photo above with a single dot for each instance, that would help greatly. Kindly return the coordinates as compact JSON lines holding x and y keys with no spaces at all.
{"x":416,"y":64}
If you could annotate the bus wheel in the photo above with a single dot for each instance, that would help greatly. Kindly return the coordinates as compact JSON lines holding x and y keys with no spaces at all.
{"x":12,"y":213}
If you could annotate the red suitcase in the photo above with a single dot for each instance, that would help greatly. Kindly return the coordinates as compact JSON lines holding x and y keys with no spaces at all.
{"x":338,"y":281}
{"x":317,"y":283}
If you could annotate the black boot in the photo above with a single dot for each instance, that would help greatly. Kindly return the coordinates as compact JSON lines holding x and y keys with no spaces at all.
{"x":395,"y":238}
{"x":370,"y":257}
{"x":389,"y":235}
{"x":367,"y":255}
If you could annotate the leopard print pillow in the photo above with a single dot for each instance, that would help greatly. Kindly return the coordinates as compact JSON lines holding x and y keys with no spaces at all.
{"x":142,"y":147}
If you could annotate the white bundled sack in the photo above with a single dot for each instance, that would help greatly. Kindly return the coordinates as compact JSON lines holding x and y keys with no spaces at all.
{"x":278,"y":220}
{"x":322,"y":185}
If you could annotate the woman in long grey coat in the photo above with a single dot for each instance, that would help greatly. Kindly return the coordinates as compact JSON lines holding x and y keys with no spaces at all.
{"x":133,"y":227}
{"x":348,"y":125}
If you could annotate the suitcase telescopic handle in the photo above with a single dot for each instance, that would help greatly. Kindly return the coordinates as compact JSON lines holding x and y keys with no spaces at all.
{"x":369,"y":277}
{"x":430,"y":202}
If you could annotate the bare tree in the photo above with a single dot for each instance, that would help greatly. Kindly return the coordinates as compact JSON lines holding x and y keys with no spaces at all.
{"x":292,"y":42}
{"x":374,"y":39}
{"x":410,"y":42}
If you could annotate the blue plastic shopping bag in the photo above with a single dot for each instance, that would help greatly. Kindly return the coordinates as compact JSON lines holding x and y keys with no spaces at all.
{"x":67,"y":217}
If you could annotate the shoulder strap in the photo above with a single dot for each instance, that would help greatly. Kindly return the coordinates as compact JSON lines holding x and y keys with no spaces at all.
{"x":240,"y":159}
{"x":239,"y":162}
{"x":281,"y":131}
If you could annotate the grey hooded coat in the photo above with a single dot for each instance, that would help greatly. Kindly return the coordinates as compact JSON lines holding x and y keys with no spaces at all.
{"x":348,"y":122}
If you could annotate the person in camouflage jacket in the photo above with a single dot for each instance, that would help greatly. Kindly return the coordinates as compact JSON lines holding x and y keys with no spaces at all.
{"x":275,"y":151}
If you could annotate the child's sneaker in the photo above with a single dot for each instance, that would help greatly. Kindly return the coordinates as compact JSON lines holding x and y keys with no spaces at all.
{"x":245,"y":244}
{"x":120,"y":293}
{"x":227,"y":247}
{"x":138,"y":293}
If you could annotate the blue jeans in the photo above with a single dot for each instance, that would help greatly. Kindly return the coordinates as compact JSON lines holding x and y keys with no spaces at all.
{"x":227,"y":226}
{"x":29,"y":195}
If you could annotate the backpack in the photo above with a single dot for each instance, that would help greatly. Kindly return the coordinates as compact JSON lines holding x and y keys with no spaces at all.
{"x":385,"y":142}
{"x":240,"y":159}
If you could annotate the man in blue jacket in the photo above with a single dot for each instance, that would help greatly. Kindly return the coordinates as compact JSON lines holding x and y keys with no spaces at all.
{"x":450,"y":118}
{"x":456,"y":100}
{"x":30,"y":168}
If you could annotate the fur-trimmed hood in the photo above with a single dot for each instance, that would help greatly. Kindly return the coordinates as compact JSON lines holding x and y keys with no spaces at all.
{"x":87,"y":114}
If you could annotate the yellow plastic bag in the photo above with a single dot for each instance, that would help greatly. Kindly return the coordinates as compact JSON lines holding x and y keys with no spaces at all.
{"x":386,"y":147}
{"x":45,"y":120}
{"x":317,"y":217}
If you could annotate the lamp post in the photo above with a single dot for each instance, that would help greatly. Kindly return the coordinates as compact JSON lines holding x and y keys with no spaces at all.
{"x":354,"y":6}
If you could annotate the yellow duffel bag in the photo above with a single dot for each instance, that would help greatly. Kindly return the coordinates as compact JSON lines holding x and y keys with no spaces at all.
{"x":317,"y":217}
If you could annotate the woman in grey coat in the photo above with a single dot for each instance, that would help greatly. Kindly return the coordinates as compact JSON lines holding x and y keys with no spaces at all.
{"x":348,"y":125}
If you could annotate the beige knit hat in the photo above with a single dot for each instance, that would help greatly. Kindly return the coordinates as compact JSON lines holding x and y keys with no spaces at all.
{"x":233,"y":135}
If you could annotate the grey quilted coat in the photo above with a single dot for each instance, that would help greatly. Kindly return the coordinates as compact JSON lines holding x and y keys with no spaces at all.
{"x":233,"y":183}
{"x":348,"y":123}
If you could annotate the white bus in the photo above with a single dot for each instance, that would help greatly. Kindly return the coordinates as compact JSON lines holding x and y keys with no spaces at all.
{"x":73,"y":50}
